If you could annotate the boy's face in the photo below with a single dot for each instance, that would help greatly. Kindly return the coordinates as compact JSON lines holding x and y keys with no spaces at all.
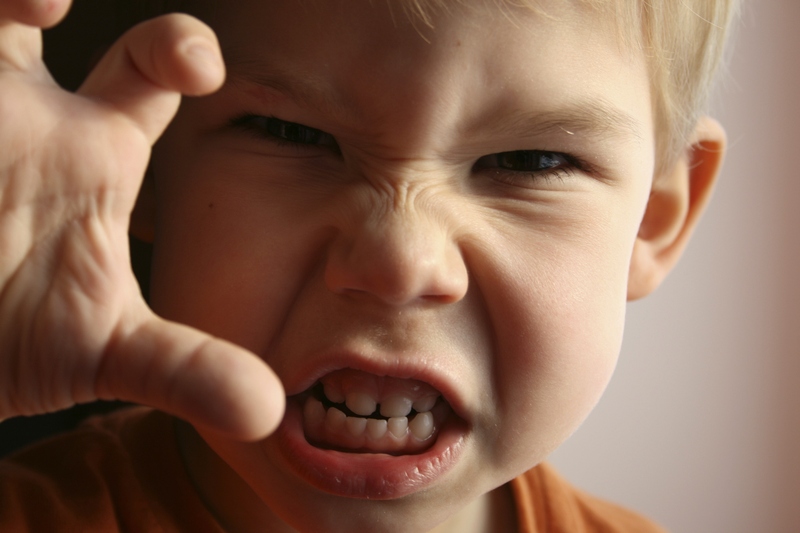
{"x":466,"y":221}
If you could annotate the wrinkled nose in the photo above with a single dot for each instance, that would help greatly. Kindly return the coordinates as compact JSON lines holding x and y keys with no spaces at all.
{"x":398,"y":258}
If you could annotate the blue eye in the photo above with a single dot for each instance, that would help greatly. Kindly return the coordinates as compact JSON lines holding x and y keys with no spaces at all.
{"x":529,"y":160}
{"x":525,"y":167}
{"x":524,"y":161}
{"x":282,"y":131}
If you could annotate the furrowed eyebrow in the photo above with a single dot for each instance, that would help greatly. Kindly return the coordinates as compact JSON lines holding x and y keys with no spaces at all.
{"x":595,"y":118}
{"x":309,"y":91}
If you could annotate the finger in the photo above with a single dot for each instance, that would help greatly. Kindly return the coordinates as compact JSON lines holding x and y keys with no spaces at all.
{"x":38,"y":13}
{"x":20,"y":37}
{"x":215,"y":385}
{"x":145,"y":72}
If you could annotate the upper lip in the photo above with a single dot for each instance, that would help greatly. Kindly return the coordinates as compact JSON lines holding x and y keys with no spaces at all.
{"x":398,"y":367}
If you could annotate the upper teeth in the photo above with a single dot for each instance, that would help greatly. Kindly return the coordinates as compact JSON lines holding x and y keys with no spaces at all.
{"x":369,"y":395}
{"x":425,"y":403}
{"x":396,"y":406}
{"x":334,"y":394}
{"x":360,"y":403}
{"x":363,"y":404}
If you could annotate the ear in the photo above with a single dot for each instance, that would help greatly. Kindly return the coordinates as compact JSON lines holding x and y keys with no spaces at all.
{"x":143,"y":217}
{"x":677,"y":200}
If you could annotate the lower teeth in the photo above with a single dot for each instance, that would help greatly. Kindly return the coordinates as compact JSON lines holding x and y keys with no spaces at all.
{"x":332,"y":428}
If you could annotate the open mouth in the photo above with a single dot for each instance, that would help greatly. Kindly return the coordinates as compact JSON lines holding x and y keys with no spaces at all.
{"x":360,"y":435}
{"x":352,"y":411}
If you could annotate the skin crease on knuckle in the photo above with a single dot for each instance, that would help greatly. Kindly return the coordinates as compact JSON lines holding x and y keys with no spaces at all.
{"x":370,"y":205}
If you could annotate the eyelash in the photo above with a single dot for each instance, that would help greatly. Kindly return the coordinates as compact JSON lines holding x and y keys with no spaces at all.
{"x":276,"y":131}
{"x":556,"y":165}
{"x":551,"y":166}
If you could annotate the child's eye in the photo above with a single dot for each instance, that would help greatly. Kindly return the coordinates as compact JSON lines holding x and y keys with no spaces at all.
{"x":282,"y":131}
{"x":528,"y":165}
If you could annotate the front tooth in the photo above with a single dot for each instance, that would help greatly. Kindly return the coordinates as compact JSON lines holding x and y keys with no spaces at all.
{"x":425,"y":404}
{"x":361,"y":403}
{"x":355,"y":425}
{"x":334,"y":418}
{"x":422,"y":425}
{"x":398,"y":426}
{"x":376,"y":428}
{"x":396,"y":406}
{"x":332,"y":393}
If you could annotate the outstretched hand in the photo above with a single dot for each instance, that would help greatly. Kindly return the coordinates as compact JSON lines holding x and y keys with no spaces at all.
{"x":73,"y":324}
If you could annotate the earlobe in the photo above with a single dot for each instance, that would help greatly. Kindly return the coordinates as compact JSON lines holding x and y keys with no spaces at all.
{"x":143,"y":217}
{"x":677,"y":200}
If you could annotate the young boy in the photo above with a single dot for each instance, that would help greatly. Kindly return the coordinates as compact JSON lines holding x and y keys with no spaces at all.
{"x":424,"y":217}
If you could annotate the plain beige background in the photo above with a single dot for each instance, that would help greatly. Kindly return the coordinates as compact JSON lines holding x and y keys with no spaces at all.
{"x":700,"y":428}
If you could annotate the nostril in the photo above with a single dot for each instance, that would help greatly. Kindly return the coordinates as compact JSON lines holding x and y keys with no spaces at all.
{"x":443,"y":298}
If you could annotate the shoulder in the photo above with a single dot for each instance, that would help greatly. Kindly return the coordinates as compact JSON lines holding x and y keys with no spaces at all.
{"x":546,"y":502}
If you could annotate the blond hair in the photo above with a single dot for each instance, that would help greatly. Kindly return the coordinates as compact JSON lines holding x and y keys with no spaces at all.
{"x":683,"y":41}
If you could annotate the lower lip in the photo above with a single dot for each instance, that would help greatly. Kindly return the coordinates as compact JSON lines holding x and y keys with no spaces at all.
{"x":367,"y":475}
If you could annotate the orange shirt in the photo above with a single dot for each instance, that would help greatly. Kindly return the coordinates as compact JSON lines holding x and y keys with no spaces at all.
{"x":124,"y":472}
{"x":548,"y":503}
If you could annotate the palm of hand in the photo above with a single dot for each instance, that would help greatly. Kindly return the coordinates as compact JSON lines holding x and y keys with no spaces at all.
{"x":69,"y":182}
{"x":73,"y":325}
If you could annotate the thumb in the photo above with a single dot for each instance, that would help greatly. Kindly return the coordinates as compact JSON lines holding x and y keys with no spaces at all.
{"x":144,"y":73}
{"x":212,"y":383}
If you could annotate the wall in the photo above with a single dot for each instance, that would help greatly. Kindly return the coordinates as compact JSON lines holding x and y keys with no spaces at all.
{"x":700,"y":427}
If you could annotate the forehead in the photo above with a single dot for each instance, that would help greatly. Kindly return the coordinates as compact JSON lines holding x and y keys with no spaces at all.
{"x":360,"y":60}
{"x":401,"y":25}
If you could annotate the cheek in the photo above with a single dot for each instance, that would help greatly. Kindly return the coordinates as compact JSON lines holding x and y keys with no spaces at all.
{"x":558,"y":318}
{"x":562,"y":350}
{"x":223,"y":261}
